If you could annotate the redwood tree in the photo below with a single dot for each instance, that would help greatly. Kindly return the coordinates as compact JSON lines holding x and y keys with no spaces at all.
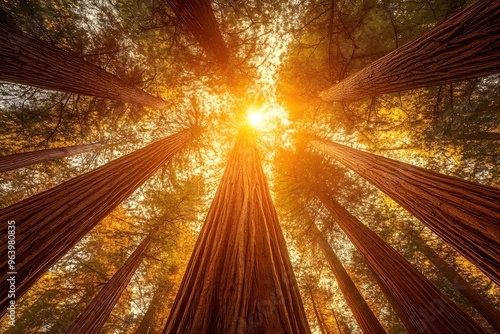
{"x":91,"y":320}
{"x":360,"y":309}
{"x":461,"y":285}
{"x":239,"y":278}
{"x":30,"y":61}
{"x":14,"y":161}
{"x":464,"y":214}
{"x":481,"y":136}
{"x":154,"y":319}
{"x":420,"y":305}
{"x":199,"y":18}
{"x":464,"y":46}
{"x":319,"y":317}
{"x":48,"y":224}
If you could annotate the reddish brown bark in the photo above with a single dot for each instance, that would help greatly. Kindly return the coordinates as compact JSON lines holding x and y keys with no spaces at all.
{"x":91,"y":320}
{"x":360,"y":309}
{"x":239,"y":278}
{"x":420,"y":305}
{"x":464,"y":214}
{"x":464,"y":46}
{"x":48,"y":224}
{"x":14,"y":161}
{"x":461,"y":285}
{"x":198,"y":17}
{"x":29,"y":61}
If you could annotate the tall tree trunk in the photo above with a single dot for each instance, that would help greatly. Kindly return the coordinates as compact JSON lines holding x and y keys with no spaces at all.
{"x":91,"y":320}
{"x":239,"y":278}
{"x":464,"y":46}
{"x":339,"y":322}
{"x":319,"y":317}
{"x":481,"y":136}
{"x":461,"y":285}
{"x":14,"y":161}
{"x":464,"y":214}
{"x":420,"y":305}
{"x":152,"y":320}
{"x":199,"y":18}
{"x":48,"y":224}
{"x":29,"y":61}
{"x":360,"y":309}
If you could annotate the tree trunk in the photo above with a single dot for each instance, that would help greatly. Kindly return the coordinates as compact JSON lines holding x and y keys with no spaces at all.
{"x":29,"y":61}
{"x":360,"y":309}
{"x":341,"y":326}
{"x":420,"y":305}
{"x":319,"y":317}
{"x":14,"y":161}
{"x":199,"y":19}
{"x":464,"y":214}
{"x":48,"y":224}
{"x":91,"y":320}
{"x":481,"y":136}
{"x":152,"y":321}
{"x":462,"y":47}
{"x":239,"y":278}
{"x":461,"y":285}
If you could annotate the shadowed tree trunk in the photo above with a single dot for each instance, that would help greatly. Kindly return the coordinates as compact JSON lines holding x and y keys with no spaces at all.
{"x":151,"y":323}
{"x":360,"y":309}
{"x":420,"y":305}
{"x":91,"y":320}
{"x":14,"y":161}
{"x":464,"y":214}
{"x":48,"y":224}
{"x":198,"y":17}
{"x":481,"y":136}
{"x":29,"y":61}
{"x":464,"y":46}
{"x":239,"y":278}
{"x":461,"y":285}
{"x":319,"y":316}
{"x":341,"y":325}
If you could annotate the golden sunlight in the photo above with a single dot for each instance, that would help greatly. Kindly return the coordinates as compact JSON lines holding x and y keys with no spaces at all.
{"x":268,"y":117}
{"x":255,"y":118}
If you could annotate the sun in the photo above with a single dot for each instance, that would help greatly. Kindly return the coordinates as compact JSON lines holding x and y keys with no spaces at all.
{"x":255,"y":118}
{"x":269,"y":117}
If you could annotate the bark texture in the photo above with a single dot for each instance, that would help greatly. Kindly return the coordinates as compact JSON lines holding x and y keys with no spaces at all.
{"x":461,"y":285}
{"x":239,"y":278}
{"x":466,"y":45}
{"x":464,"y":214}
{"x":360,"y":309}
{"x":14,"y":161}
{"x":29,"y":61}
{"x":48,"y":224}
{"x":420,"y":305}
{"x":199,"y":19}
{"x":91,"y":320}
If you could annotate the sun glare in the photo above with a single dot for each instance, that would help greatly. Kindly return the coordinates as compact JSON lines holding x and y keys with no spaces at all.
{"x":270,"y":117}
{"x":255,"y":119}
